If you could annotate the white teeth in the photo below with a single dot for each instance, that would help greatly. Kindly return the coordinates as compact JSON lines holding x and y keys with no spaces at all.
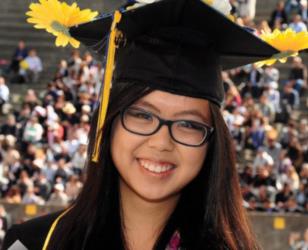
{"x":154,"y":167}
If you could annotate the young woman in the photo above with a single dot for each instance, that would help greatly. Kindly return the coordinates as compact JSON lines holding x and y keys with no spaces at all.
{"x":165,"y":177}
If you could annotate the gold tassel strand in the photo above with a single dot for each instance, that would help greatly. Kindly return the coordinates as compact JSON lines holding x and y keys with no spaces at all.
{"x":104,"y":100}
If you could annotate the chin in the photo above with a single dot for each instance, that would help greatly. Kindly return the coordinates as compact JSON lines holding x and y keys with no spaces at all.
{"x":156,"y":196}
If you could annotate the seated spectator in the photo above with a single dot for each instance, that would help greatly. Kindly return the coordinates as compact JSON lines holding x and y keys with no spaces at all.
{"x":301,"y":194}
{"x":33,"y":131}
{"x":83,"y":127}
{"x":31,"y":67}
{"x":12,"y":162}
{"x":297,"y":24}
{"x":290,"y":98}
{"x":234,"y":5}
{"x":273,"y":95}
{"x":232,"y":99}
{"x":266,"y":107}
{"x":292,"y":207}
{"x":263,"y":27}
{"x":298,"y":74}
{"x":238,"y":131}
{"x":4,"y":93}
{"x":49,"y":171}
{"x":287,"y":132}
{"x":42,"y":186}
{"x":62,"y":70}
{"x":247,"y":8}
{"x":273,"y":148}
{"x":304,"y":172}
{"x":20,"y":54}
{"x":247,"y":176}
{"x":31,"y":198}
{"x":58,"y":197}
{"x":303,"y":137}
{"x":24,"y":182}
{"x":291,"y":177}
{"x":79,"y":158}
{"x":278,"y":15}
{"x":283,"y":196}
{"x":73,"y":187}
{"x":304,"y":10}
{"x":254,"y":82}
{"x":3,"y":176}
{"x":31,"y":99}
{"x":63,"y":170}
{"x":10,"y":126}
{"x":68,"y":115}
{"x":292,"y":7}
{"x":256,"y":134}
{"x":268,"y":206}
{"x":264,"y":178}
{"x":270,"y":74}
{"x":295,"y":152}
{"x":13,"y":195}
{"x":74,"y":61}
{"x":55,"y":132}
{"x":262,"y":159}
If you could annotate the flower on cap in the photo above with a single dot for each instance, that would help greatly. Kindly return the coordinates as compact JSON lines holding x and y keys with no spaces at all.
{"x":57,"y":17}
{"x":288,"y":42}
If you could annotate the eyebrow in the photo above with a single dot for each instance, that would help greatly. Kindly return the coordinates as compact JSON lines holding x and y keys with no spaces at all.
{"x":184,"y":112}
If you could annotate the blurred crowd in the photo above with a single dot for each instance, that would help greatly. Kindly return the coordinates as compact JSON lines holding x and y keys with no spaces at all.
{"x":43,"y":143}
{"x":265,"y":111}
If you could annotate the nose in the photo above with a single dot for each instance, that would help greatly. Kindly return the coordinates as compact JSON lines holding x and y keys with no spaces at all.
{"x":161,"y":140}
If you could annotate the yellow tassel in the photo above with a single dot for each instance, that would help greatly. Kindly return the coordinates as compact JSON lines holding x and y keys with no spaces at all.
{"x":104,"y":100}
{"x":53,"y":227}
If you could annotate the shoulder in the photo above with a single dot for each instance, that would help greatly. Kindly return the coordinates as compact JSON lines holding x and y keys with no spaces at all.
{"x":31,"y":233}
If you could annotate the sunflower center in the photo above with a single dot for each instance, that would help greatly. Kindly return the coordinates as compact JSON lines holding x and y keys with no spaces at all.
{"x":60,"y":28}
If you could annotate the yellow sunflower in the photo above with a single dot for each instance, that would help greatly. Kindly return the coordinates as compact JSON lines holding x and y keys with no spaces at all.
{"x":57,"y":17}
{"x":288,"y":42}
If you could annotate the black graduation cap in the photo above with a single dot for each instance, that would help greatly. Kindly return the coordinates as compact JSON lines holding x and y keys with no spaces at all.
{"x":179,"y":46}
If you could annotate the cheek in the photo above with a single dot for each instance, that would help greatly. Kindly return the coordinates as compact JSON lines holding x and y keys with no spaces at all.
{"x":123,"y":145}
{"x":192,"y":160}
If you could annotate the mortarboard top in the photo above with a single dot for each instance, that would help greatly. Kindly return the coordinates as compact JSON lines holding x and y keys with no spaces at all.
{"x":179,"y":46}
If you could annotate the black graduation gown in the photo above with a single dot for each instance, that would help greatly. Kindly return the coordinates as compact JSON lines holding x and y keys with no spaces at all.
{"x":32,"y":233}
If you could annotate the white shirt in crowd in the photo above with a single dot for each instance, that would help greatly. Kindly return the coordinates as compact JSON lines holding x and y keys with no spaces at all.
{"x":35,"y":63}
{"x":4,"y":92}
{"x":247,"y":8}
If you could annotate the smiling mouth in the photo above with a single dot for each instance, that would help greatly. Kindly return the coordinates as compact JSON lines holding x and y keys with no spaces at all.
{"x":156,"y":167}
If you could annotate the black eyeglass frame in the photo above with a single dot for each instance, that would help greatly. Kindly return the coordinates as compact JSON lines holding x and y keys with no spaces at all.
{"x":168,"y":123}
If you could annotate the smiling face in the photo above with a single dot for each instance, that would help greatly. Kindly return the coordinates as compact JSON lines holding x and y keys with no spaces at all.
{"x":155,"y":167}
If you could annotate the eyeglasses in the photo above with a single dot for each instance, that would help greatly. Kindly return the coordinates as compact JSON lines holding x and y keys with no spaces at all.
{"x":186,"y":132}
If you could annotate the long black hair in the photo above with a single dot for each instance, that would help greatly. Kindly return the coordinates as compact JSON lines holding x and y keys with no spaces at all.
{"x":209,"y":214}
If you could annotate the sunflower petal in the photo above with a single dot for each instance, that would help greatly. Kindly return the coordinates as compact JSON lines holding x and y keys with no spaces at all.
{"x":46,"y":13}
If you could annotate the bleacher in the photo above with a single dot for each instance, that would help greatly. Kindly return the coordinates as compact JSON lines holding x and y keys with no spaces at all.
{"x":13,"y":28}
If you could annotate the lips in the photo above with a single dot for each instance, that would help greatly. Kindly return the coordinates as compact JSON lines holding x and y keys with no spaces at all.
{"x":156,"y":167}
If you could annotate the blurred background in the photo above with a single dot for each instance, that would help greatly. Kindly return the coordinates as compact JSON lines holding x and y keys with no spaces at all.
{"x":47,"y":95}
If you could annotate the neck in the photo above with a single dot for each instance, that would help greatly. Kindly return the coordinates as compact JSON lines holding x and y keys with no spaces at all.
{"x":143,"y":220}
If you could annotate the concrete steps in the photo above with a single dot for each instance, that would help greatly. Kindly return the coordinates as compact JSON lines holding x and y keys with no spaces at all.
{"x":13,"y":27}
